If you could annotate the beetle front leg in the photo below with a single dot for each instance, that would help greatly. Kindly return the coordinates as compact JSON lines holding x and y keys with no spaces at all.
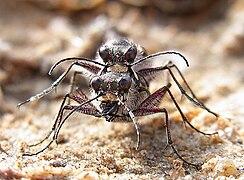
{"x":136,"y":124}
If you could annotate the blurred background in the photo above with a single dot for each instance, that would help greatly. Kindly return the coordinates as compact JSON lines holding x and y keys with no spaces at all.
{"x":34,"y":34}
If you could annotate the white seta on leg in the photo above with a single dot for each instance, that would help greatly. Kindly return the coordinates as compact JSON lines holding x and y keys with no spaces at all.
{"x":137,"y":125}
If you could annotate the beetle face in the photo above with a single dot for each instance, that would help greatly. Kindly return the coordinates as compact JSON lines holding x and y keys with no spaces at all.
{"x":118,"y":52}
{"x":115,"y":83}
{"x":113,"y":86}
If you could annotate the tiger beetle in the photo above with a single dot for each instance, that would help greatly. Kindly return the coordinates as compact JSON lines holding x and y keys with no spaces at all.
{"x":119,"y":81}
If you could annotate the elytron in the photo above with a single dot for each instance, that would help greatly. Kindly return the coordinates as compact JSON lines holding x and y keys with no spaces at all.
{"x":119,"y":79}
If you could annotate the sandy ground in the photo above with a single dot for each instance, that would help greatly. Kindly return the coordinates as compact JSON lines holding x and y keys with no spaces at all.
{"x":34,"y":35}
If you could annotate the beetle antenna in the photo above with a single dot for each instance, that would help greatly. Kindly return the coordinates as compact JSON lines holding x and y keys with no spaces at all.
{"x":161,"y":54}
{"x":77,"y":59}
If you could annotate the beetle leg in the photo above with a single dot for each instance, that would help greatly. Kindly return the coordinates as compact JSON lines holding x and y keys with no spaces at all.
{"x":89,"y":67}
{"x":86,"y":107}
{"x":136,"y":124}
{"x":150,"y":72}
{"x":146,"y":111}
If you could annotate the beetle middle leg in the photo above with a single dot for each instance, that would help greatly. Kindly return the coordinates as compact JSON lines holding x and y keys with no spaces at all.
{"x":84,"y":106}
{"x":57,"y":119}
{"x":73,"y":81}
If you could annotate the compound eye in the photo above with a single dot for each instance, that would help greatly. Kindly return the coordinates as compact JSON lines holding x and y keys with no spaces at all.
{"x":96,"y":83}
{"x":125,"y":83}
{"x":131,"y":54}
{"x":104,"y":53}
